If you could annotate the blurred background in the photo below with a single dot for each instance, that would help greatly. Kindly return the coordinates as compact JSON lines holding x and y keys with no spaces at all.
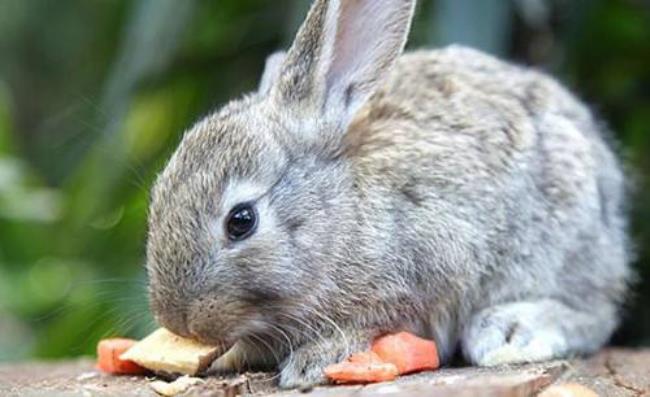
{"x":95,"y":95}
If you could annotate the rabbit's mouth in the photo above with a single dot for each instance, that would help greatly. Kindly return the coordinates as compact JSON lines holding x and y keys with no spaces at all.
{"x":251,"y":325}
{"x":227,"y":333}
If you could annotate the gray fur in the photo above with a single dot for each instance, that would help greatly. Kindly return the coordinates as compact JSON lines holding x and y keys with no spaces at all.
{"x":442,"y":192}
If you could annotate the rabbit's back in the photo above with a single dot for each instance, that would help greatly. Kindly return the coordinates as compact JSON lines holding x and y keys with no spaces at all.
{"x":463,"y":108}
{"x":505,"y":166}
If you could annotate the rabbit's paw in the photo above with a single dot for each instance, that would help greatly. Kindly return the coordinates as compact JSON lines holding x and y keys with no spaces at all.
{"x":513,"y":333}
{"x":305,"y":366}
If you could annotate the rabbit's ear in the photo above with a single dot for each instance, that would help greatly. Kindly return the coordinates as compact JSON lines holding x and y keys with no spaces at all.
{"x":271,"y":71}
{"x":340,"y":55}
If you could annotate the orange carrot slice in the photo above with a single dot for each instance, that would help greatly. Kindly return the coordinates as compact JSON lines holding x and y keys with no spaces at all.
{"x":368,"y":357}
{"x":391,"y":355}
{"x":108,"y":357}
{"x":407,"y":352}
{"x":361,"y":372}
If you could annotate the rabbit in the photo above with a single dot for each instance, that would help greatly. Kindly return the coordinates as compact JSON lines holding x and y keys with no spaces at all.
{"x":361,"y":191}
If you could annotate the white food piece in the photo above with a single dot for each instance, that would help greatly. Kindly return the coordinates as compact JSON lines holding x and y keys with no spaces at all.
{"x":163,"y":351}
{"x":568,"y":390}
{"x":176,"y":387}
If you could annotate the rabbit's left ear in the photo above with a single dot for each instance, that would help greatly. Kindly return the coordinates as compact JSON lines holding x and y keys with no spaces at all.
{"x":271,"y":71}
{"x":341,"y":54}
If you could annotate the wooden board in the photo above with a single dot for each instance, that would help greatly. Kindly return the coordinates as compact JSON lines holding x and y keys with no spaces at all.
{"x":613,"y":372}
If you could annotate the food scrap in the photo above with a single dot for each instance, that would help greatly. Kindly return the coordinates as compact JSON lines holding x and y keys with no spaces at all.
{"x":163,"y":351}
{"x":568,"y":390}
{"x":176,"y":387}
{"x":362,"y":367}
{"x":408,"y":352}
{"x":391,"y":355}
{"x":109,"y":360}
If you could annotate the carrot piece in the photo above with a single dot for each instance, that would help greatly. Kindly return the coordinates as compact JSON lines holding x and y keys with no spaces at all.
{"x":108,"y":357}
{"x":368,"y":357}
{"x":390,"y":356}
{"x":407,"y":352}
{"x":361,"y":372}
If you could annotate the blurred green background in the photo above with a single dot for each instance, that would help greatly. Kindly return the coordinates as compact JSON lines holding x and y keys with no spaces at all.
{"x":94,"y":96}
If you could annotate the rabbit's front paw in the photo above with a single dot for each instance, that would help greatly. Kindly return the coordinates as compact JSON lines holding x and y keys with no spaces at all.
{"x":305,"y":366}
{"x":513,"y":333}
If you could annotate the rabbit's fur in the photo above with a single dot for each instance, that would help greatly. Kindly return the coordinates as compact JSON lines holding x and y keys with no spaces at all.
{"x":442,"y":192}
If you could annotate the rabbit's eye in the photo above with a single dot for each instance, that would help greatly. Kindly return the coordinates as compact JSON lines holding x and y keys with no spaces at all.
{"x":241,"y":222}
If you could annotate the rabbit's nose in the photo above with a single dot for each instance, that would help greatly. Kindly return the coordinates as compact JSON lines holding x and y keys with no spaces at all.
{"x":204,"y":322}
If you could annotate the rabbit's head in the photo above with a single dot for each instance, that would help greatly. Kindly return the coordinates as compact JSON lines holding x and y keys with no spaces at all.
{"x":255,"y":210}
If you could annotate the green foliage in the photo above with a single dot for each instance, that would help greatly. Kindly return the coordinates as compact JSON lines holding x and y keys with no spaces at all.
{"x":608,"y":61}
{"x":94,"y":96}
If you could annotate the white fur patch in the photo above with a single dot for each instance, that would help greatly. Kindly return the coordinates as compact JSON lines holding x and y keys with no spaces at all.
{"x":237,"y":192}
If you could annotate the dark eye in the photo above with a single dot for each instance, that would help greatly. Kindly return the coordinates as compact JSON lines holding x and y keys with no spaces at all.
{"x":241,"y":222}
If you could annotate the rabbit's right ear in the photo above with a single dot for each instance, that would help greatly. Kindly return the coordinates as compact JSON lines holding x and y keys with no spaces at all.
{"x":340,"y":55}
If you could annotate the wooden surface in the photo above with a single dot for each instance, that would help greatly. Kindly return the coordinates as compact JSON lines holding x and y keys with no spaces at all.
{"x":614,"y":372}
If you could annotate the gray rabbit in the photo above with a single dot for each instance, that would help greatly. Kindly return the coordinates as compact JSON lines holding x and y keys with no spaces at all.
{"x":361,"y":191}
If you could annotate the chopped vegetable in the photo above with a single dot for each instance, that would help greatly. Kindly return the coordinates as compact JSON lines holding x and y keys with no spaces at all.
{"x":163,"y":351}
{"x":409,"y":353}
{"x":365,"y":358}
{"x":108,"y":357}
{"x":361,"y":372}
{"x":391,"y":355}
